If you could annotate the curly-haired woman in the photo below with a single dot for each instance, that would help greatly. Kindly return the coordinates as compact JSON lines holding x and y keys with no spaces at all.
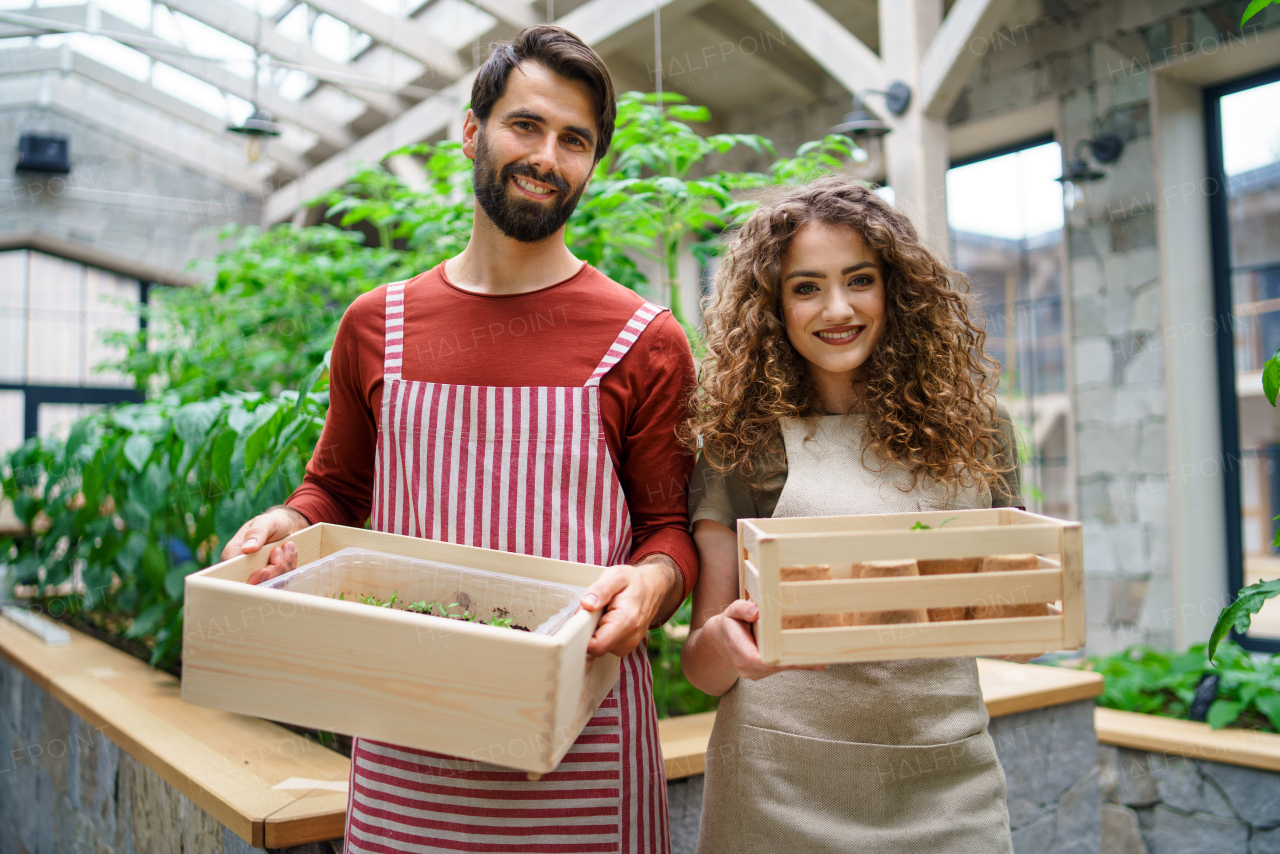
{"x":845,"y":376}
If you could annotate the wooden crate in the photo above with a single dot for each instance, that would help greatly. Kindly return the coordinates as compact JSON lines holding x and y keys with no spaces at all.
{"x":768,"y":545}
{"x":476,"y":692}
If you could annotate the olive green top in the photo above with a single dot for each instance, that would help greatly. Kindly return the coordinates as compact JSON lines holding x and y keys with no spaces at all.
{"x":728,"y":497}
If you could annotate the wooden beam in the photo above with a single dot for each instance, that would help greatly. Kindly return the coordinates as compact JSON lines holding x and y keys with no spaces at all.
{"x":220,"y":159}
{"x":50,"y":59}
{"x":595,"y":22}
{"x":951,"y":59}
{"x":242,"y":24}
{"x":797,"y":74}
{"x":409,"y":36}
{"x":825,"y":39}
{"x":916,"y":150}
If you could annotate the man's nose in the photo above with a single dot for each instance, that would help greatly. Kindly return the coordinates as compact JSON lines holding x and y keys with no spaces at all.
{"x":543,"y":157}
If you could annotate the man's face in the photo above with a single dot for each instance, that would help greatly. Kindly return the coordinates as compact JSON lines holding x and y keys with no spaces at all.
{"x":534,"y":154}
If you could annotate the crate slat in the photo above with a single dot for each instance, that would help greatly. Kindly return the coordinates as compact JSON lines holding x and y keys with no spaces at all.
{"x":922,"y":591}
{"x":843,"y":547}
{"x":920,"y":640}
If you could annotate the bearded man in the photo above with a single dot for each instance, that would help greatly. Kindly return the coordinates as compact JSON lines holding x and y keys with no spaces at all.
{"x":516,"y":398}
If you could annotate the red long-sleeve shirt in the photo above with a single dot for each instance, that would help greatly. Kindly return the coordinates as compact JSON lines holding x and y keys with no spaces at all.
{"x":555,"y":336}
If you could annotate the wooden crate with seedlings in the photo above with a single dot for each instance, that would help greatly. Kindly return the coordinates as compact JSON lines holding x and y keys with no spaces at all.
{"x":881,"y":588}
{"x":474,"y":691}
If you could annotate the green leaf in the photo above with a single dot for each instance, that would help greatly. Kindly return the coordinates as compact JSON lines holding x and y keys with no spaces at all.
{"x":1223,"y":713}
{"x":1271,"y":377}
{"x":154,"y":566}
{"x":1239,"y":613}
{"x":176,"y":575}
{"x":1269,"y":705}
{"x":145,"y":623}
{"x":131,"y":553}
{"x":193,"y":421}
{"x":137,"y":450}
{"x":1252,"y":9}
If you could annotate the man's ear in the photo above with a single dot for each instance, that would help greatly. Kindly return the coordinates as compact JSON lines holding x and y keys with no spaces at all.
{"x":470,"y":127}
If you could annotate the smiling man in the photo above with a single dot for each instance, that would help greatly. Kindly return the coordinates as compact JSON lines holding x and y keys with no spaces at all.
{"x":515,"y":398}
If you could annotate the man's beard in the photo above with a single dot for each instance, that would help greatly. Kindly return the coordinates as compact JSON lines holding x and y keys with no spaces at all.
{"x":519,"y":218}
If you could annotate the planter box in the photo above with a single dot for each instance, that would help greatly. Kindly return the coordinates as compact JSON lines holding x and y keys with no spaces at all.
{"x":494,"y":695}
{"x":837,"y":548}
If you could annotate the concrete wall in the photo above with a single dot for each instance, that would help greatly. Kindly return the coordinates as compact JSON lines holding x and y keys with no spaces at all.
{"x":119,"y":197}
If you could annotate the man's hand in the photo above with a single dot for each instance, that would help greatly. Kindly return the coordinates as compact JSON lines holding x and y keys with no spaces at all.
{"x":275,"y":524}
{"x":634,"y":599}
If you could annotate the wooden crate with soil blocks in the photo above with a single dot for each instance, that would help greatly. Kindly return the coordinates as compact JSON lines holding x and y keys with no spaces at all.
{"x":881,"y":588}
{"x":479,"y":692}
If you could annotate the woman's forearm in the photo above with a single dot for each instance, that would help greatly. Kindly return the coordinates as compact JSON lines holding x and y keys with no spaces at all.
{"x":704,"y":666}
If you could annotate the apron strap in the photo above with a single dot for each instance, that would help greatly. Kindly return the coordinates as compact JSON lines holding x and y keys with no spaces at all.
{"x":393,"y":356}
{"x":626,"y":338}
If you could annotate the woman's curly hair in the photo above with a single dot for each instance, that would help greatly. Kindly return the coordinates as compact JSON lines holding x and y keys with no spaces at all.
{"x":929,"y":388}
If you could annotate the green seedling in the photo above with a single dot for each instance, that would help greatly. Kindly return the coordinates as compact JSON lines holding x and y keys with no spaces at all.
{"x":921,"y":526}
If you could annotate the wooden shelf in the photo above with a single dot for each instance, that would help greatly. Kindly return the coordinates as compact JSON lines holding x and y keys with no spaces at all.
{"x":1192,"y":739}
{"x":227,"y":764}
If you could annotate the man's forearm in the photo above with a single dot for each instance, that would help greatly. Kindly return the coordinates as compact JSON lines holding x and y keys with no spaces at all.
{"x":674,"y":581}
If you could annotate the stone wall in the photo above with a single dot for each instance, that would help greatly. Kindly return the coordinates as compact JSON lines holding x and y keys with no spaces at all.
{"x":66,"y":787}
{"x":1160,"y":804}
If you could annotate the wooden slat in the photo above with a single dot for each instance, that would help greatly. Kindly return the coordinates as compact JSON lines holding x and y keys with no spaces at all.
{"x":921,"y":591}
{"x":837,"y":547}
{"x":751,"y":580}
{"x":880,"y":522}
{"x":1188,"y":738}
{"x":1073,"y":586}
{"x":768,"y":627}
{"x":1011,"y":636}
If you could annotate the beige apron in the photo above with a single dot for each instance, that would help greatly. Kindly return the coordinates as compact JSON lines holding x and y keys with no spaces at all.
{"x":883,"y":757}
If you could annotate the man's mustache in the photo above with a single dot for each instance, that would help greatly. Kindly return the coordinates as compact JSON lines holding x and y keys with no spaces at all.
{"x":524,"y":170}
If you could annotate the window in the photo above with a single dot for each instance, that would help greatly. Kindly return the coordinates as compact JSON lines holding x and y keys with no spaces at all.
{"x":1005,"y":211}
{"x":1243,"y":125}
{"x":53,"y":314}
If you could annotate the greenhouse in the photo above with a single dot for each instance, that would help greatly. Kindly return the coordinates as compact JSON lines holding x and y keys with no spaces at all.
{"x":593,"y":426}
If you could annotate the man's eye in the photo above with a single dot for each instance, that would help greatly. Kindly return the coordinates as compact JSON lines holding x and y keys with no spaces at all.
{"x":576,"y":141}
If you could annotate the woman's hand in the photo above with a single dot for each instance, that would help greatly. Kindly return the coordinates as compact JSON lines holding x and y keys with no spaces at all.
{"x":730,"y":631}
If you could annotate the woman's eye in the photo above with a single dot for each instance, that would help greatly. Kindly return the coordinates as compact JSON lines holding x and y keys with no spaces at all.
{"x":863,"y":281}
{"x":806,"y":288}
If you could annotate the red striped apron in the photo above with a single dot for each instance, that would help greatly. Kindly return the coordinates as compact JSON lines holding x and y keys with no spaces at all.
{"x":522,"y":470}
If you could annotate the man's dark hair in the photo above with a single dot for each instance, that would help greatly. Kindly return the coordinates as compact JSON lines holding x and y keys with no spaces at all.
{"x":560,"y":51}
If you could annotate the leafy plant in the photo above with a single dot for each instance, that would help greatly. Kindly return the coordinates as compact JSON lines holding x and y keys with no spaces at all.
{"x":141,"y":496}
{"x":1156,"y":682}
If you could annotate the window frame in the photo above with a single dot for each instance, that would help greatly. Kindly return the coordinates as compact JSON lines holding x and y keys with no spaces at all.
{"x":1228,"y":401}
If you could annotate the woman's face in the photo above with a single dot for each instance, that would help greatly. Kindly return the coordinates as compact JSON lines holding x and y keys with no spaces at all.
{"x":832,"y":301}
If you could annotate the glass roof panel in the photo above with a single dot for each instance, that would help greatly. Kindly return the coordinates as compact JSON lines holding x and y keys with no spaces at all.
{"x":111,"y":53}
{"x":457,"y":23}
{"x":183,"y":86}
{"x":336,"y":40}
{"x":136,"y":12}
